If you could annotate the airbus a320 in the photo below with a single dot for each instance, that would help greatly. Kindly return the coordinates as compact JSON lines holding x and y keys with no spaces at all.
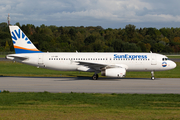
{"x":108,"y":64}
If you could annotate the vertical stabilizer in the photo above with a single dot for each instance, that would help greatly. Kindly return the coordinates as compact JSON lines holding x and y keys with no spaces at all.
{"x":21,"y":42}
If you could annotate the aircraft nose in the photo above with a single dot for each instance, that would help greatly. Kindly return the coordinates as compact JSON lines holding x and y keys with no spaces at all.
{"x":173,"y":64}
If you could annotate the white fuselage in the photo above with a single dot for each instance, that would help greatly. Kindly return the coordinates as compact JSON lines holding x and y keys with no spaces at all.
{"x":70,"y":61}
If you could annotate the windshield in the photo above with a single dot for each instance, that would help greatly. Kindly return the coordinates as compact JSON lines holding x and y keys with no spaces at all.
{"x":165,"y":59}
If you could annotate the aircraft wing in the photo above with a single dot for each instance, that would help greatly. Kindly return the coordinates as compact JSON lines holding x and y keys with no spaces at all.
{"x":99,"y":66}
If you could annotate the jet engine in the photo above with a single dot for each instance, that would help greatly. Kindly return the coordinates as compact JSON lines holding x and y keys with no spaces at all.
{"x":114,"y":72}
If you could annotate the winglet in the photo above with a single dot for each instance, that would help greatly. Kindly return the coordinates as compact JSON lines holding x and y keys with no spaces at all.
{"x":21,"y":42}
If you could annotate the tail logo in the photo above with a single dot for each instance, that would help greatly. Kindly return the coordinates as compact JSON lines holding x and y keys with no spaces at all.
{"x":19,"y":35}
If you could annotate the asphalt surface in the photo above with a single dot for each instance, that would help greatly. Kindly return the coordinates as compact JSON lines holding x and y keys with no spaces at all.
{"x":86,"y":85}
{"x":4,"y":59}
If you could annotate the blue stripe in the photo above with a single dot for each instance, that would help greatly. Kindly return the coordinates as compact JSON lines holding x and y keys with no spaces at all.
{"x":25,"y":51}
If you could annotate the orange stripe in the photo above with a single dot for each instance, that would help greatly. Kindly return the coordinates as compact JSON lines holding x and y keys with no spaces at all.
{"x":25,"y":48}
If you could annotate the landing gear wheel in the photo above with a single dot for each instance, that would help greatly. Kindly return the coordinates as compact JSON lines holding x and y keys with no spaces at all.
{"x":95,"y":77}
{"x":152,"y":75}
{"x":152,"y":78}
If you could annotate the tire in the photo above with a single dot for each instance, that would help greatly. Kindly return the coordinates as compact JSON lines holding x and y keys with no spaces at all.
{"x":95,"y":77}
{"x":152,"y":78}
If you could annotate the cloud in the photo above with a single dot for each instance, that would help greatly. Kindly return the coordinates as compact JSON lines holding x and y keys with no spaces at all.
{"x":90,"y":11}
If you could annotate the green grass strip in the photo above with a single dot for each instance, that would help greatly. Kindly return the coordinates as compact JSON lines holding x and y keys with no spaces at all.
{"x":88,"y":106}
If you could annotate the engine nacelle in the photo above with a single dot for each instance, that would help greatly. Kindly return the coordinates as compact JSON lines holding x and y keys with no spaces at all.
{"x":114,"y":72}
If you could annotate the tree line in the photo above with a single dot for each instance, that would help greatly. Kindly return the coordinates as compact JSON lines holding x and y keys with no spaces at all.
{"x":95,"y":39}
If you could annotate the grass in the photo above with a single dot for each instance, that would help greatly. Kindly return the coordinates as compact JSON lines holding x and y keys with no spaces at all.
{"x":2,"y":56}
{"x":174,"y":57}
{"x":88,"y":106}
{"x":9,"y":68}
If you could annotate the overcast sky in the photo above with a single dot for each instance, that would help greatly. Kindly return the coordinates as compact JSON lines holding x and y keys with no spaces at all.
{"x":105,"y":13}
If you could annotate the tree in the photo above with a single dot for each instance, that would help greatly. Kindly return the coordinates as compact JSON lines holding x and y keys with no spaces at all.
{"x":89,"y":40}
{"x":130,"y":30}
{"x":176,"y":40}
{"x":165,"y":39}
{"x":148,"y":47}
{"x":72,"y":32}
{"x":117,"y":45}
{"x":18,"y":24}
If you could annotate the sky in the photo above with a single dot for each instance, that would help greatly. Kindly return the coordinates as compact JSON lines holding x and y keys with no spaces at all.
{"x":105,"y":13}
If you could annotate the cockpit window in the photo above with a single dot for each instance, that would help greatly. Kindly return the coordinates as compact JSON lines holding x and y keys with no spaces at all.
{"x":165,"y":59}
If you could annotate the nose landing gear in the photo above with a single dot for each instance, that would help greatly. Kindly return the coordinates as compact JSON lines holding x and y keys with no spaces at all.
{"x":152,"y":75}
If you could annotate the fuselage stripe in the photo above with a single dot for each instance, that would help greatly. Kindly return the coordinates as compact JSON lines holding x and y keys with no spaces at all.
{"x":25,"y":48}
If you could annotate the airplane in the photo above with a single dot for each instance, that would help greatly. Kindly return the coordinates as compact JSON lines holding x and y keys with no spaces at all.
{"x":109,"y":64}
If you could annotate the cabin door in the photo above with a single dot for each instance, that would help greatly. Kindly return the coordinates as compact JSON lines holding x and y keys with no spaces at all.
{"x":153,"y":60}
{"x":40,"y":61}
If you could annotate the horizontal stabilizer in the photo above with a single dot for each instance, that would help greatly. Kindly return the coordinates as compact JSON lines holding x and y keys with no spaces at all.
{"x":16,"y":58}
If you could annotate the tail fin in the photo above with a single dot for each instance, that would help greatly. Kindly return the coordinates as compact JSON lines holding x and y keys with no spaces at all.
{"x":21,"y":42}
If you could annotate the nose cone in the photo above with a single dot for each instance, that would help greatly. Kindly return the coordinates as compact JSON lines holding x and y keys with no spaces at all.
{"x":173,"y":65}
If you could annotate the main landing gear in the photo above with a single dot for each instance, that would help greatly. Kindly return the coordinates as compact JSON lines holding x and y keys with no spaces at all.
{"x":95,"y":76}
{"x":152,"y":75}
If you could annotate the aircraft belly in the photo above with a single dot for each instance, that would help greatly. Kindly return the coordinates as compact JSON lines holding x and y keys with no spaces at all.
{"x":139,"y":67}
{"x":61,"y":66}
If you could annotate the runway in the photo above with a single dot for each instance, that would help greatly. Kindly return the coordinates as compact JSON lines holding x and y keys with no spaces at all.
{"x":86,"y":85}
